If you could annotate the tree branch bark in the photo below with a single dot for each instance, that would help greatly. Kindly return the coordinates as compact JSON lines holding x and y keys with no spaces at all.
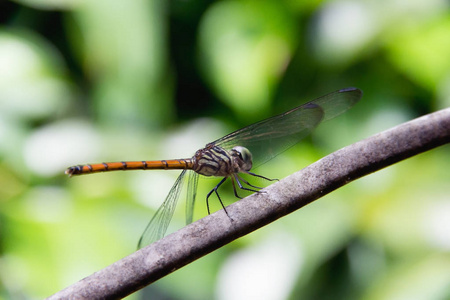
{"x":212,"y":232}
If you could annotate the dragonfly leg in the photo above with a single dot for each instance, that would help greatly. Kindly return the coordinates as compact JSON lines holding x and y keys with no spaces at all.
{"x":220,"y":200}
{"x":234,"y":187}
{"x":248,"y":183}
{"x":238,"y":180}
{"x":260,"y":176}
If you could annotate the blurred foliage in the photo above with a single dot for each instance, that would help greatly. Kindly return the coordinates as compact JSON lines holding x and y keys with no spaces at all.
{"x":92,"y":81}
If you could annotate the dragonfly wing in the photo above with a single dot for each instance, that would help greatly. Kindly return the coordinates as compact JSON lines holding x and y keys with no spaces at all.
{"x":191,"y":194}
{"x":338,"y":102}
{"x":157,"y":226}
{"x":270,"y":137}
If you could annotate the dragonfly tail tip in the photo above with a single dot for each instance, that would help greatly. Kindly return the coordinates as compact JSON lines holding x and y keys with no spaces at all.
{"x":69,"y":172}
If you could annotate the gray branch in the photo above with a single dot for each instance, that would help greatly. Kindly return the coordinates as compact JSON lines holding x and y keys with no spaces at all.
{"x":212,"y":232}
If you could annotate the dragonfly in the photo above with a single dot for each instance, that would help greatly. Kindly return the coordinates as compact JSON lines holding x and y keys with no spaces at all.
{"x":228,"y":157}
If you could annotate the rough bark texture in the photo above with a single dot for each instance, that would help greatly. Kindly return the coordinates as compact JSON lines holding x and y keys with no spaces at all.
{"x":204,"y":236}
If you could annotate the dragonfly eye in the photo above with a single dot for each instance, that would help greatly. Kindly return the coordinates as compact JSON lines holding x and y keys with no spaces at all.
{"x":245,"y":156}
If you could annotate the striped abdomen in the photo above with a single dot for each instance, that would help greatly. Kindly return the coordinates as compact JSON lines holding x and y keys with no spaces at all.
{"x":176,"y":164}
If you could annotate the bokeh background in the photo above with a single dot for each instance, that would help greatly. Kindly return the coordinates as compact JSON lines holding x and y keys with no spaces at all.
{"x":91,"y":81}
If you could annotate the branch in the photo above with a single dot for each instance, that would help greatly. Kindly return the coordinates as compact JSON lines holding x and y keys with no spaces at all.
{"x":212,"y":232}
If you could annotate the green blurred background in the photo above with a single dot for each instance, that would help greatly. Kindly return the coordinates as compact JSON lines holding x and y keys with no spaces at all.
{"x":91,"y":81}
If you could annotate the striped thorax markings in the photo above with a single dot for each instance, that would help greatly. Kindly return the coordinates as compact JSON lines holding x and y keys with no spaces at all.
{"x":213,"y":161}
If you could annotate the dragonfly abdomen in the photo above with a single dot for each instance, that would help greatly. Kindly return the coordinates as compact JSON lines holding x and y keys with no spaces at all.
{"x":176,"y":164}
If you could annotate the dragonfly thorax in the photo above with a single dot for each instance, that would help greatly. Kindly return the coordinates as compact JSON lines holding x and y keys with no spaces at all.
{"x":216,"y":161}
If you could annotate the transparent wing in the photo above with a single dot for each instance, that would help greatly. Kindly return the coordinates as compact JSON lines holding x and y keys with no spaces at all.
{"x":190,"y":197}
{"x":157,"y":226}
{"x":270,"y":137}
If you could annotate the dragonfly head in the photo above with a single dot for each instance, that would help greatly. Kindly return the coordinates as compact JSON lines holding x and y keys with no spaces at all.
{"x":243,"y":157}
